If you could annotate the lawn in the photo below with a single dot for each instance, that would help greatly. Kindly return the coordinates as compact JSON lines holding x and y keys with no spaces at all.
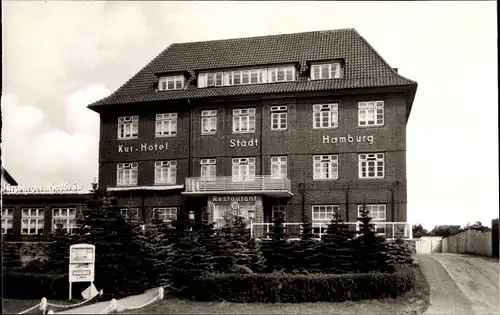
{"x":416,"y":301}
{"x":14,"y":306}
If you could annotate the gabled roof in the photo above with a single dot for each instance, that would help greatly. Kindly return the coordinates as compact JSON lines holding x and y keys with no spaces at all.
{"x":364,"y":67}
{"x":8,"y":178}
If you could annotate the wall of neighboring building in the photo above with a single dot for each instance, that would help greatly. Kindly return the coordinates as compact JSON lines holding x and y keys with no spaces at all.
{"x":469,"y":242}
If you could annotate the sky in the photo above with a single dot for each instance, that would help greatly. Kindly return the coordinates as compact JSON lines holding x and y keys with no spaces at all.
{"x":60,"y":56}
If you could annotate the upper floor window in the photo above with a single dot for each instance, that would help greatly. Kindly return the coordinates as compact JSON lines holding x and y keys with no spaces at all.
{"x":325,"y":116}
{"x":321,"y":217}
{"x":247,"y":76}
{"x":171,"y":83}
{"x":65,"y":218}
{"x":128,"y":127}
{"x":278,"y":117}
{"x":371,"y":113}
{"x":7,"y":221}
{"x":243,"y":169}
{"x":208,"y":169}
{"x":325,"y":167}
{"x":210,"y":79}
{"x":378,"y":214}
{"x":127,"y":174}
{"x":278,"y":167}
{"x":208,"y":122}
{"x":168,"y":214}
{"x":281,"y":74}
{"x":32,"y":221}
{"x":130,"y":214}
{"x":371,"y":165}
{"x":165,"y":172}
{"x":166,"y":125}
{"x":325,"y":71}
{"x":244,"y":120}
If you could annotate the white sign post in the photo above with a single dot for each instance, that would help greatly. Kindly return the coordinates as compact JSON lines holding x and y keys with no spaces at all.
{"x":81,"y":264}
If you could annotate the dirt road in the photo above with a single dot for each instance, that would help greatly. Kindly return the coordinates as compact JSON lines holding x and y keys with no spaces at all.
{"x":462,"y":284}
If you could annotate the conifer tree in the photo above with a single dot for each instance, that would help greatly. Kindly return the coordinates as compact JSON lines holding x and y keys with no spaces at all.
{"x":305,"y":250}
{"x":400,"y":252}
{"x":277,"y":251}
{"x":119,"y":265}
{"x":58,"y":250}
{"x":370,"y":251}
{"x":335,"y":252}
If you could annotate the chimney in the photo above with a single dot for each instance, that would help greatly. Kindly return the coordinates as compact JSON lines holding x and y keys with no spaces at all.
{"x":395,"y":69}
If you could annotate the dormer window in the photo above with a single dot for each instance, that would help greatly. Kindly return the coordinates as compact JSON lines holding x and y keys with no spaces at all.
{"x":209,"y":79}
{"x":171,"y":83}
{"x":325,"y":71}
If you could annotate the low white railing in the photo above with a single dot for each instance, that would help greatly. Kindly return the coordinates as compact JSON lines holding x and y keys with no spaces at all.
{"x":388,"y":229}
{"x":228,"y":183}
{"x":44,"y":304}
{"x":114,"y":305}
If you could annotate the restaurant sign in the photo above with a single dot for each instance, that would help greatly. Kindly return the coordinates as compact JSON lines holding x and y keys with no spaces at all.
{"x":51,"y":188}
{"x":143,"y":147}
{"x":234,"y":198}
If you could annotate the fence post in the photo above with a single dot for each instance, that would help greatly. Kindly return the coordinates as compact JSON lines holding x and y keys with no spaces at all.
{"x":113,"y":305}
{"x":43,"y":305}
{"x":50,"y":312}
{"x":161,"y":293}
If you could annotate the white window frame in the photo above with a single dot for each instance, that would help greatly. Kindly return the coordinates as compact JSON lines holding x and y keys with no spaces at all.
{"x":326,"y":167}
{"x":208,"y":170}
{"x":7,"y":221}
{"x":168,"y":83}
{"x":378,"y":213}
{"x":64,"y":216}
{"x":165,"y":214}
{"x":165,"y":172}
{"x":243,"y":169}
{"x":281,"y":74}
{"x":32,"y":218}
{"x":221,"y":210}
{"x":209,"y":122}
{"x":321,"y":217}
{"x":279,"y":167}
{"x":130,"y":214}
{"x":278,"y":209}
{"x":371,"y":113}
{"x":244,"y":116}
{"x":376,"y":161}
{"x":328,"y":111}
{"x":210,"y":79}
{"x":333,"y":70}
{"x":279,"y":117}
{"x":128,"y":127}
{"x":166,"y":125}
{"x":127,"y":174}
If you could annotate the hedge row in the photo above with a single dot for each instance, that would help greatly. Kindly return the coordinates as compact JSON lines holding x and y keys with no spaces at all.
{"x":290,"y":288}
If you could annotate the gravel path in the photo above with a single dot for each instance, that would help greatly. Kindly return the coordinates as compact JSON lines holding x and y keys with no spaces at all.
{"x":461,"y":284}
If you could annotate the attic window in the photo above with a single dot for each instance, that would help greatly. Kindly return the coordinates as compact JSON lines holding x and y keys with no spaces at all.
{"x":171,"y":83}
{"x":326,"y":71}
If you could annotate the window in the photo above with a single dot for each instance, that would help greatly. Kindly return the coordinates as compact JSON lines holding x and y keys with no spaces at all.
{"x":32,"y":221}
{"x":7,"y":221}
{"x":325,"y":167}
{"x":325,"y":116}
{"x":243,"y":169}
{"x":371,"y":113}
{"x":66,"y":217}
{"x":130,"y":214}
{"x":321,"y":217}
{"x":371,"y":165}
{"x":325,"y":71}
{"x":278,"y":117}
{"x":278,"y":167}
{"x":208,"y":122}
{"x":378,"y":214}
{"x":127,"y":174}
{"x":166,"y":125}
{"x":171,"y":83}
{"x":278,"y":211}
{"x":210,"y":79}
{"x":165,"y":172}
{"x":281,"y":74}
{"x":128,"y":127}
{"x":224,"y":211}
{"x":207,"y":170}
{"x":165,"y":214}
{"x":244,"y":120}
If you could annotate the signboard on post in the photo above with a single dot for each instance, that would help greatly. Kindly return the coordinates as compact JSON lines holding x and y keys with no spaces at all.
{"x":81,"y":264}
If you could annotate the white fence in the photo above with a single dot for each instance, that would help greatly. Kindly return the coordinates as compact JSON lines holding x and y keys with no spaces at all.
{"x":469,"y":242}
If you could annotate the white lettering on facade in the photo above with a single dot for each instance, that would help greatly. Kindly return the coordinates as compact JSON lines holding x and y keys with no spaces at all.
{"x":348,"y":139}
{"x":234,"y":198}
{"x":144,"y":147}
{"x":33,"y":189}
{"x":243,"y":143}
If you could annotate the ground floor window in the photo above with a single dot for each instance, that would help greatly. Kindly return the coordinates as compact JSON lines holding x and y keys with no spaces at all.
{"x":7,"y":221}
{"x":65,"y":217}
{"x":32,"y":221}
{"x":130,"y":214}
{"x":165,"y":214}
{"x":378,"y":214}
{"x":278,"y":211}
{"x":321,"y":217}
{"x":224,"y":211}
